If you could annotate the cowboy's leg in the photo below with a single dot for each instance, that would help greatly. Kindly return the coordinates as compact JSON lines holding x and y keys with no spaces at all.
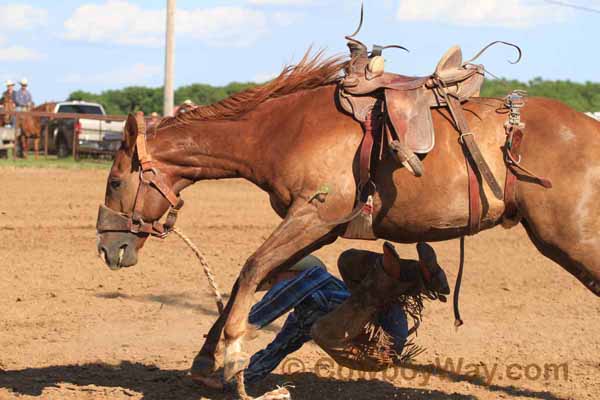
{"x":290,"y":339}
{"x":261,"y":315}
{"x":297,"y":328}
{"x":336,"y":332}
{"x":347,"y":321}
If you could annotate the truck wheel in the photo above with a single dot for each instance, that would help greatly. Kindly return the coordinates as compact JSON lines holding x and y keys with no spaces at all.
{"x":62,"y":149}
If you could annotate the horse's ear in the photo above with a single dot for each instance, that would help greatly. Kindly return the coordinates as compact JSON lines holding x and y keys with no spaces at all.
{"x":130,"y":133}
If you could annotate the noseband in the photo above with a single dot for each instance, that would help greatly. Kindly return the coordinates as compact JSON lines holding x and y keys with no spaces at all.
{"x":113,"y":221}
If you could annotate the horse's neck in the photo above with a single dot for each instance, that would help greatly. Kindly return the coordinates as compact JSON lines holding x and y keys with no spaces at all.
{"x":208,"y":150}
{"x":251,"y":147}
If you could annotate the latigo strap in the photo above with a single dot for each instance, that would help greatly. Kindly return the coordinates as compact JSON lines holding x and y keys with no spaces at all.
{"x":469,"y":142}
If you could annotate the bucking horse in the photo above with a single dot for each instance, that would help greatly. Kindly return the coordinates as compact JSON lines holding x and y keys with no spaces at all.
{"x":294,"y":136}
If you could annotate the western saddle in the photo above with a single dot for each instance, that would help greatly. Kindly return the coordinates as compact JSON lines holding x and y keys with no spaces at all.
{"x":395,"y":110}
{"x":408,"y":99}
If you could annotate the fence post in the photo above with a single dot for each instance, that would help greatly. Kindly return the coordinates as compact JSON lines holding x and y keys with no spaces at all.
{"x":14,"y":148}
{"x":74,"y":145}
{"x":46,"y":128}
{"x":18,"y":138}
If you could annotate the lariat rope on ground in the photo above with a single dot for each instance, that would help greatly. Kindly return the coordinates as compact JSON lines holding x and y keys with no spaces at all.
{"x":207,"y":271}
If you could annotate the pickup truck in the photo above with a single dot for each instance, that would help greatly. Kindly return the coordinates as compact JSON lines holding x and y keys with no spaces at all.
{"x":93,"y":136}
{"x":7,"y":140}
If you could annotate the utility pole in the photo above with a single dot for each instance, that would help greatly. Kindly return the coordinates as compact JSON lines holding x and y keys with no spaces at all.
{"x":169,"y":59}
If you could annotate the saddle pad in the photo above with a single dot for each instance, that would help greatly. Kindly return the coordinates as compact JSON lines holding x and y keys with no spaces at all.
{"x":410,"y":115}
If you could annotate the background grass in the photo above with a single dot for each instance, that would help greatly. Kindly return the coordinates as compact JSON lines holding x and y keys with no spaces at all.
{"x":54,"y":162}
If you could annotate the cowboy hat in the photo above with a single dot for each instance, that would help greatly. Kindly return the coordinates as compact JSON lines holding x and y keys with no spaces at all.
{"x":306,"y":263}
{"x":10,"y":83}
{"x":24,"y":82}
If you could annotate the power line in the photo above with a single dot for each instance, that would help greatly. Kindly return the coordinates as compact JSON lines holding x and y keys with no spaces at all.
{"x":574,"y":6}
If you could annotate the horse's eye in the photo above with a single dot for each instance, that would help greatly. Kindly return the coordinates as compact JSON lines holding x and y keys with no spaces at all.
{"x":115,"y":184}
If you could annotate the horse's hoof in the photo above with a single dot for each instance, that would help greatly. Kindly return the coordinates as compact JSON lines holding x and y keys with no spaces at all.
{"x":214,"y":381}
{"x":203,"y":365}
{"x":234,"y":364}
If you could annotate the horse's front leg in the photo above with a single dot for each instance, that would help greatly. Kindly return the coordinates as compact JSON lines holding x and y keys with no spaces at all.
{"x":36,"y":147}
{"x":24,"y":145}
{"x":301,"y":232}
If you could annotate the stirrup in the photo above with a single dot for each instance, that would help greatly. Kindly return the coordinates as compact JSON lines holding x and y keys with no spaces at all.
{"x":407,"y":158}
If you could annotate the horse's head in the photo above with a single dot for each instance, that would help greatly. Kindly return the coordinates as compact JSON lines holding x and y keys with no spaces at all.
{"x":137,"y":195}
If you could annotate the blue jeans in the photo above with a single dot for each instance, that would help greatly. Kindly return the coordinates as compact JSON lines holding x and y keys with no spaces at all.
{"x":309,"y":304}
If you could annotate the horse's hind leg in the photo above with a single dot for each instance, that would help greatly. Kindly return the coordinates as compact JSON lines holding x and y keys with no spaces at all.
{"x":576,"y":262}
{"x":564,"y":222}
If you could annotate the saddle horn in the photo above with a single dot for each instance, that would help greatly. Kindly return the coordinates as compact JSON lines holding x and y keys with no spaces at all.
{"x":376,"y":65}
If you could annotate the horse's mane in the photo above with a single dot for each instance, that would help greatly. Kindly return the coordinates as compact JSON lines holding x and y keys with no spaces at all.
{"x":310,"y":73}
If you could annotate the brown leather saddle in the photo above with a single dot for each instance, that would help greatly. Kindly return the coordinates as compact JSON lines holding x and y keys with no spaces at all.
{"x":396,"y":110}
{"x":408,"y":100}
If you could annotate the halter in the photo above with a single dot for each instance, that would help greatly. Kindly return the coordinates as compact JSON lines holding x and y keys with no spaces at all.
{"x":110,"y":220}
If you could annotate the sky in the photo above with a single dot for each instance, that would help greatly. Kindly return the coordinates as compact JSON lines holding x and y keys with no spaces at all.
{"x":97,"y":45}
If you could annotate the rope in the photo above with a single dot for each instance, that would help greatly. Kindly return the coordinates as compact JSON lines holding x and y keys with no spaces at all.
{"x":457,"y":319}
{"x":241,"y":387}
{"x":207,"y":271}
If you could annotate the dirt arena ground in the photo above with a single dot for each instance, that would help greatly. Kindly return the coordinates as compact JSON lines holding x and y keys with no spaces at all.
{"x":72,"y":329}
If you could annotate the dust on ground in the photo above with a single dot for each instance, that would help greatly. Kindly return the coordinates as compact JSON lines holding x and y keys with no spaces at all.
{"x":72,"y":329}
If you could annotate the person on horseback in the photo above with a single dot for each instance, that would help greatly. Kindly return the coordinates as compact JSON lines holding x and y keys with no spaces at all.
{"x":8,"y":103}
{"x":24,"y":102}
{"x":321,"y":304}
{"x":22,"y":97}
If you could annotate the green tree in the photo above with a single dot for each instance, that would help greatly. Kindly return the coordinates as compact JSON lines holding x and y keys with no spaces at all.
{"x":580,"y":96}
{"x":148,"y":100}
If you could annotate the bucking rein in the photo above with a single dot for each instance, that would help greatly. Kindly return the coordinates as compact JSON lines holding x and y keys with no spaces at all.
{"x":150,"y":175}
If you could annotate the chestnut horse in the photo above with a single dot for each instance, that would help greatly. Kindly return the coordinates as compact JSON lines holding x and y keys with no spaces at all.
{"x":31,"y":127}
{"x":290,"y":138}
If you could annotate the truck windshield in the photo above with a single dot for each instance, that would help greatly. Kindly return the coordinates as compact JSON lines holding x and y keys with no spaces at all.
{"x":80,"y":109}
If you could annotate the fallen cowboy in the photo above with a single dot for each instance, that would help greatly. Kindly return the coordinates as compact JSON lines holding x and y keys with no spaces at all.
{"x":362,"y":322}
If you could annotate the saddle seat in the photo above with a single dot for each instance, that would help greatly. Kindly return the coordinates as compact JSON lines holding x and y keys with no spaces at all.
{"x":408,"y":100}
